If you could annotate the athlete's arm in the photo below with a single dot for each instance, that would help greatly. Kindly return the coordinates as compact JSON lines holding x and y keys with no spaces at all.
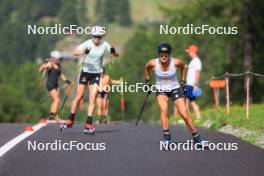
{"x":83,"y":48}
{"x":149,"y":65}
{"x":180,"y":64}
{"x":197,"y":78}
{"x":44,"y":66}
{"x":78,"y":52}
{"x":63,"y":77}
{"x":41,"y":68}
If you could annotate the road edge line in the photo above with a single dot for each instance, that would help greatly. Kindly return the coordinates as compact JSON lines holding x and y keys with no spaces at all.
{"x":16,"y":140}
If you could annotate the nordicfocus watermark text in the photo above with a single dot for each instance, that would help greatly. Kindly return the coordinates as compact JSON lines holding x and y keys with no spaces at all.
{"x":58,"y":29}
{"x":134,"y":88}
{"x":58,"y":145}
{"x":190,"y":145}
{"x":190,"y":29}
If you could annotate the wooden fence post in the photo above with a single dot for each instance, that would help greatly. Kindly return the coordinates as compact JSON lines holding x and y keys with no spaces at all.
{"x":227,"y":94}
{"x":247,"y":106}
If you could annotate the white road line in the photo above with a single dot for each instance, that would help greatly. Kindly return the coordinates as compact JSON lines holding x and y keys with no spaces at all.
{"x":54,"y":121}
{"x":5,"y":148}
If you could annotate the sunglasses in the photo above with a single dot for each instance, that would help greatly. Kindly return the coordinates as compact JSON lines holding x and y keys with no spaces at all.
{"x":99,"y":37}
{"x":164,"y":55}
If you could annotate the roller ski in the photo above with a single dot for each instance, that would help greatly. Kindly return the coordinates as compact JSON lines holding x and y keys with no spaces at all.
{"x":203,"y":144}
{"x":89,"y":129}
{"x":167,"y":145}
{"x":67,"y":124}
{"x":167,"y":139}
{"x":51,"y":117}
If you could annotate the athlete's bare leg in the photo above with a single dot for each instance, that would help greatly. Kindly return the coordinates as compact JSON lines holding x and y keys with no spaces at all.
{"x":163,"y":106}
{"x":78,"y":97}
{"x":55,"y":95}
{"x":196,"y":109}
{"x":180,"y":103}
{"x":92,"y":96}
{"x":99,"y":106}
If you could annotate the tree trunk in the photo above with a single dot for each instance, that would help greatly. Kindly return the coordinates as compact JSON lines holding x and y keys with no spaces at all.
{"x":229,"y":56}
{"x":247,"y":36}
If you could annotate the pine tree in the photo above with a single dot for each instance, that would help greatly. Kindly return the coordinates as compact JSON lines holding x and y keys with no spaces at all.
{"x":110,"y":10}
{"x":68,"y":13}
{"x":123,"y":13}
{"x":248,"y":57}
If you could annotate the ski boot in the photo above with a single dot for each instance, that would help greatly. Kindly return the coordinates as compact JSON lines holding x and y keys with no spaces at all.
{"x":202,"y":144}
{"x":51,"y":117}
{"x":89,"y":129}
{"x":103,"y":121}
{"x":167,"y":145}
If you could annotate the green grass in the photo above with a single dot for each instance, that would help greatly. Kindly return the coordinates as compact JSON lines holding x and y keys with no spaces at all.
{"x":237,"y":117}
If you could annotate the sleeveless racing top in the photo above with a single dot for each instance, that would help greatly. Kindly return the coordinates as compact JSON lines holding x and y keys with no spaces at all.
{"x":166,"y":80}
{"x":53,"y":77}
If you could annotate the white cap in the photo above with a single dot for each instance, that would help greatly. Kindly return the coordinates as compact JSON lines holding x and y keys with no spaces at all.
{"x":98,"y":31}
{"x":55,"y":54}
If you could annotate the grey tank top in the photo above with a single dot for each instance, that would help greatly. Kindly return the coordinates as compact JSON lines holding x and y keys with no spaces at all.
{"x":166,"y":80}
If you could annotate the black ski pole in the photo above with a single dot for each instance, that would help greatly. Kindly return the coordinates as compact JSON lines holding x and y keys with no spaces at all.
{"x":68,"y":93}
{"x":142,"y":109}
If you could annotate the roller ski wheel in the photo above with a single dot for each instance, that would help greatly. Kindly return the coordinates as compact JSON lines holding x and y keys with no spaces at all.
{"x":67,"y":124}
{"x":89,"y":129}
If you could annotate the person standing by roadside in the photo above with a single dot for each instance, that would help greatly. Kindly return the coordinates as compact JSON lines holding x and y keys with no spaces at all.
{"x":192,"y":79}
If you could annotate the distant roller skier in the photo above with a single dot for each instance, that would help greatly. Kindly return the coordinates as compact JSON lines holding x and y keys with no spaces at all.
{"x":102,"y":99}
{"x":95,"y":50}
{"x":53,"y":68}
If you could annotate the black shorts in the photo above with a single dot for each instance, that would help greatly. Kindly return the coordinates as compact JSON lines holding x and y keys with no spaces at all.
{"x":89,"y":78}
{"x":51,"y":87}
{"x":103,"y":95}
{"x":173,"y":94}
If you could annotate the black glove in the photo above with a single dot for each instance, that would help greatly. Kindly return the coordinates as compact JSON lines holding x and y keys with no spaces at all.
{"x":87,"y":51}
{"x":147,"y":87}
{"x":113,"y":52}
{"x":183,"y":86}
{"x":68,"y":81}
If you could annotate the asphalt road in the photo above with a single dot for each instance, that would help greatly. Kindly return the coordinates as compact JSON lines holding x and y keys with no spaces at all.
{"x":9,"y":131}
{"x":130,"y":151}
